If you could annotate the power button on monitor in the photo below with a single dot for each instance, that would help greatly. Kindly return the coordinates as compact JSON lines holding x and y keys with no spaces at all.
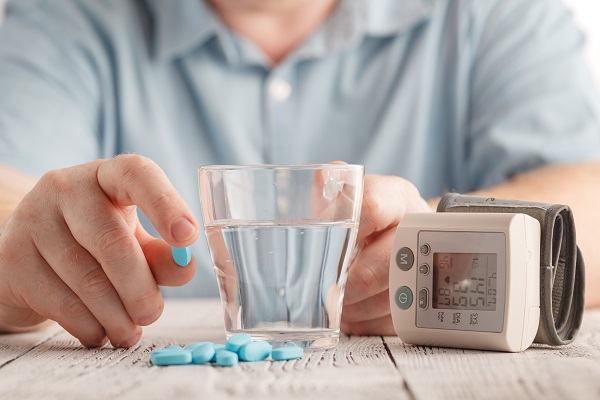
{"x":404,"y":297}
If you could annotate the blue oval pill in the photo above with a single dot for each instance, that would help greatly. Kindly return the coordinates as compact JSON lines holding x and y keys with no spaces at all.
{"x":192,"y":346}
{"x":236,"y":341}
{"x":287,"y":353}
{"x":203,"y":353}
{"x":218,"y":347}
{"x":226,"y":358}
{"x":181,"y":255}
{"x":171,"y":357}
{"x":255,"y":351}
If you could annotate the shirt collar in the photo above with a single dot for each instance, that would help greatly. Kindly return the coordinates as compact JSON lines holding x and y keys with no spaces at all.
{"x":180,"y":26}
{"x":391,"y":17}
{"x":183,"y":25}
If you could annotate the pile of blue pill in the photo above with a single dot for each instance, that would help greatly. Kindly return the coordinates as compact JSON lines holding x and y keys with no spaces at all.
{"x":239,"y":347}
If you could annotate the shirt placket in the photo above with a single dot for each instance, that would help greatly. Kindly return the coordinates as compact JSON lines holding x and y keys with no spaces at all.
{"x":278,"y":95}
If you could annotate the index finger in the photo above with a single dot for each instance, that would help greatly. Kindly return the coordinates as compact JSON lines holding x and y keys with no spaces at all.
{"x":135,"y":180}
{"x":386,"y":200}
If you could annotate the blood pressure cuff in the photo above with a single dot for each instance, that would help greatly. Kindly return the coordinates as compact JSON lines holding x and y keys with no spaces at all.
{"x":562,"y":271}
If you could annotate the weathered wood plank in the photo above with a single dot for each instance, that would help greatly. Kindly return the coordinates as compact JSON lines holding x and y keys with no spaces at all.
{"x":52,"y":365}
{"x":59,"y":368}
{"x":14,"y":346}
{"x":356,"y":369}
{"x":571,"y":372}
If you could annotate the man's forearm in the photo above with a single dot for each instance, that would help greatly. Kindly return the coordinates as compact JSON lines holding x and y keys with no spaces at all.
{"x":14,"y":185}
{"x":577,"y":186}
{"x":12,"y":329}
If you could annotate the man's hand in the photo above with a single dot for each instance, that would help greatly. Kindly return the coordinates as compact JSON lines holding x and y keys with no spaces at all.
{"x":386,"y":200}
{"x":74,"y":251}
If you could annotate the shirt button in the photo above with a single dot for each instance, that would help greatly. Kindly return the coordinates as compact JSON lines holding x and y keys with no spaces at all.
{"x":279,"y":89}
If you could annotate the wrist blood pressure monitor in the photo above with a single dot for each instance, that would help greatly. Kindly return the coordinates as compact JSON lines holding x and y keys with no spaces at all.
{"x":487,"y":273}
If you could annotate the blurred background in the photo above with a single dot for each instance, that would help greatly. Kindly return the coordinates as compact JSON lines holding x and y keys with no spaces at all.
{"x":586,"y":13}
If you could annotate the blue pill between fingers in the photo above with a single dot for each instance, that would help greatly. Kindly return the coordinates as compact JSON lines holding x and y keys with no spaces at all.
{"x":203,"y":353}
{"x":181,"y":255}
{"x":171,"y":357}
{"x":226,"y":358}
{"x":236,"y":341}
{"x":255,"y":351}
{"x":287,"y":353}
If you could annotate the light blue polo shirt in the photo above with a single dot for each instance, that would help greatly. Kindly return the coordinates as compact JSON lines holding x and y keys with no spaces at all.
{"x":450,"y":94}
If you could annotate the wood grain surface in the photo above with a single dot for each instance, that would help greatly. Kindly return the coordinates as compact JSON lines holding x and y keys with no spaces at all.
{"x":52,"y":365}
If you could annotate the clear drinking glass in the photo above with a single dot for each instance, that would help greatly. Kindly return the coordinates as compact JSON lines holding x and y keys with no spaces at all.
{"x":281,"y":238}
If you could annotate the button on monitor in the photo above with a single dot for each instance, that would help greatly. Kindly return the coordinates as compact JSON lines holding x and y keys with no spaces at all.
{"x":404,"y":297}
{"x":405,"y":259}
{"x":423,"y":299}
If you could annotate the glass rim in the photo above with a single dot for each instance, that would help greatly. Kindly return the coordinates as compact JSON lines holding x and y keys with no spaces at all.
{"x":291,"y":167}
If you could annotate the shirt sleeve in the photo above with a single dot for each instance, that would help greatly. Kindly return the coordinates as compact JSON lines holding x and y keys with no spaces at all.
{"x":49,"y":94}
{"x":533,"y":101}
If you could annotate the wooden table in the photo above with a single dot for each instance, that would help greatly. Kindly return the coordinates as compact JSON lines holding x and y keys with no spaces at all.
{"x":52,"y":365}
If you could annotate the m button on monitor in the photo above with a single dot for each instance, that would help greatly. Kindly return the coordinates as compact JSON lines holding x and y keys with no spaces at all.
{"x":405,"y":259}
{"x":404,"y":297}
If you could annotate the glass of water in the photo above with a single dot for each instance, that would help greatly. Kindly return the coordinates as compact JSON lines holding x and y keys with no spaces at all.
{"x":281,"y":238}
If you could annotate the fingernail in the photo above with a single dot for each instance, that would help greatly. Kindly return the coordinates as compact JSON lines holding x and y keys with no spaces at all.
{"x":131,"y":341}
{"x":98,"y":344}
{"x":182,"y":229}
{"x":150,"y":318}
{"x":181,"y":255}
